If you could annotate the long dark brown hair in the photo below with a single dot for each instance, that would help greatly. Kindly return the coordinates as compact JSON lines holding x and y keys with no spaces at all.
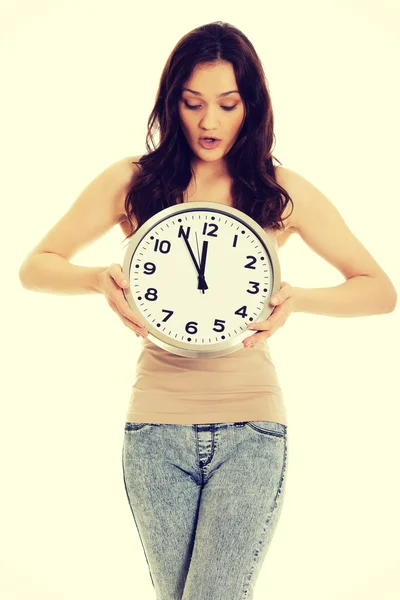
{"x":165,"y":172}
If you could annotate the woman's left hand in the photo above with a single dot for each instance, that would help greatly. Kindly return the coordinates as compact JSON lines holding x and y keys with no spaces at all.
{"x":284,"y":307}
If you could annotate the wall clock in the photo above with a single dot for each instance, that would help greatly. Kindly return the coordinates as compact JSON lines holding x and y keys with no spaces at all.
{"x":199,"y":273}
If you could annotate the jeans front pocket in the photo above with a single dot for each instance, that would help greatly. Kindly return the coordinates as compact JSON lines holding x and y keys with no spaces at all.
{"x":129,"y":426}
{"x":269,"y":428}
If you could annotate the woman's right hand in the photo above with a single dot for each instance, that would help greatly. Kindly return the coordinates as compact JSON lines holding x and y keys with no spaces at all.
{"x":110,"y":282}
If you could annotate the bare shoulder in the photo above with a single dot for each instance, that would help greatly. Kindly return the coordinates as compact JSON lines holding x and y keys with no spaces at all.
{"x":305,"y":196}
{"x":282,"y":176}
{"x":126,"y":172}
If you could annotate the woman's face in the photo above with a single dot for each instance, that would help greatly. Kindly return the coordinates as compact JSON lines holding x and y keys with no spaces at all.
{"x":208,"y":113}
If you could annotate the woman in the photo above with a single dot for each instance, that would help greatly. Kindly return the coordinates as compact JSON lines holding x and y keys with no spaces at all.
{"x":205,"y":448}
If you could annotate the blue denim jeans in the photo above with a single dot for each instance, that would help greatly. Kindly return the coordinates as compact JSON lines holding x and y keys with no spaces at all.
{"x":206,"y":500}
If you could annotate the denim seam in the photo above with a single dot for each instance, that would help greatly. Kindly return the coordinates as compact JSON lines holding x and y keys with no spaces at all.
{"x":134,"y":518}
{"x":275,"y":506}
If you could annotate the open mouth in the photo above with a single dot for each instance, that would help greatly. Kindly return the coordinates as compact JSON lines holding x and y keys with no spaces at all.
{"x":209,"y":143}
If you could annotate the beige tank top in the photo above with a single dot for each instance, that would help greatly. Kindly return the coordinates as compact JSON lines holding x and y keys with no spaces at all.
{"x":237,"y":387}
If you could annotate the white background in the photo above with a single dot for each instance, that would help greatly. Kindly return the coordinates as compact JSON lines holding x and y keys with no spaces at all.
{"x":78,"y":83}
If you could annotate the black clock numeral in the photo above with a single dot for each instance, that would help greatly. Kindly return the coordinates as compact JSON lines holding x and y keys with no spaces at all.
{"x":164,"y":246}
{"x":257,"y":285}
{"x":241,"y":312}
{"x":235,"y":239}
{"x":168,"y":315}
{"x":151,"y":294}
{"x":191,"y":324}
{"x":220,"y":323}
{"x":182,"y":233}
{"x":251,"y":263}
{"x":151,"y":268}
{"x":210,"y":233}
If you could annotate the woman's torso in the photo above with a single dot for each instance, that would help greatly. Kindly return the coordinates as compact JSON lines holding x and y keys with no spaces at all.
{"x":240,"y":386}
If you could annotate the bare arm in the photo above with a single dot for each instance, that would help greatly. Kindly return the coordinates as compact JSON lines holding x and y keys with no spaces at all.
{"x":368,"y":289}
{"x":99,"y":207}
{"x":51,"y":273}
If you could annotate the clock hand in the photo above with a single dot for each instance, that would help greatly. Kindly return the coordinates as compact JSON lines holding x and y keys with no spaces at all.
{"x":202,"y":282}
{"x":191,"y":253}
{"x":197,"y":246}
{"x":202,"y":285}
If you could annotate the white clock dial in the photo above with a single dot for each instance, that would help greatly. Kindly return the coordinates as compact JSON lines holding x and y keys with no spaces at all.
{"x":191,"y":306}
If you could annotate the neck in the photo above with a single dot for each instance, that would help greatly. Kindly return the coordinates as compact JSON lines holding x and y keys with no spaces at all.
{"x":212,"y":170}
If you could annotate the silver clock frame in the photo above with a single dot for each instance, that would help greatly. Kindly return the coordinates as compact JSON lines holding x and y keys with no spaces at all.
{"x":179,"y":347}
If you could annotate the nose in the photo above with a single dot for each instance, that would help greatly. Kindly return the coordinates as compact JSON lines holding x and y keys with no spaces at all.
{"x":209,"y":121}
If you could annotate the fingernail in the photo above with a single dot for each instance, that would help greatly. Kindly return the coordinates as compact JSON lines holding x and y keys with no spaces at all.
{"x":124,"y":282}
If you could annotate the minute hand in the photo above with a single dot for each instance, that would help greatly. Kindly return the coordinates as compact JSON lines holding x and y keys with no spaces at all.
{"x":201,"y":281}
{"x":191,"y":253}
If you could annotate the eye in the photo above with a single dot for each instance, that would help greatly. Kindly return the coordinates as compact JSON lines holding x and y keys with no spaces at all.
{"x":196,"y":106}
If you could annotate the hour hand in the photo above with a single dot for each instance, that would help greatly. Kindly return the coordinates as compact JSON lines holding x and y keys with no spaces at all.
{"x":202,"y":282}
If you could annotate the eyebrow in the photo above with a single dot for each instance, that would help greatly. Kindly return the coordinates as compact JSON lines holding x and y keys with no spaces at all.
{"x":219,"y":95}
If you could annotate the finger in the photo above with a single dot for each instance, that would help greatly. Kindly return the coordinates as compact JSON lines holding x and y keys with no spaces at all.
{"x":132,"y":326}
{"x":118,"y":275}
{"x":276,"y":298}
{"x":123,"y":305}
{"x":281,"y":295}
{"x":126,"y":314}
{"x":252,"y":340}
{"x":261,"y":326}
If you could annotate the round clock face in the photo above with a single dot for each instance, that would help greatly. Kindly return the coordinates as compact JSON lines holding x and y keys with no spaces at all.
{"x":199,"y":273}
